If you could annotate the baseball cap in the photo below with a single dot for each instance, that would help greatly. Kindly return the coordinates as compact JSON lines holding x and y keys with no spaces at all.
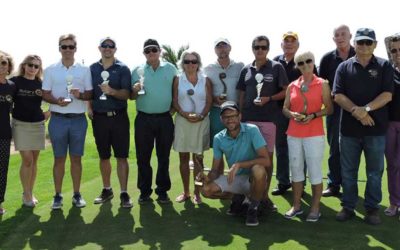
{"x":151,"y":43}
{"x":290,"y":33}
{"x":107,"y":38}
{"x":229,"y":105}
{"x":221,"y":40}
{"x":365,"y":34}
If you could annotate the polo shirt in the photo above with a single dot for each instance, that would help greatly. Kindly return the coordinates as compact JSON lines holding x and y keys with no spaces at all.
{"x":7,"y":94}
{"x":54,"y":80}
{"x":394,"y":105}
{"x":242,"y":148}
{"x":120,"y":78}
{"x":292,"y":72}
{"x":274,"y":80}
{"x":232,"y":72}
{"x":158,"y":87}
{"x":362,"y":85}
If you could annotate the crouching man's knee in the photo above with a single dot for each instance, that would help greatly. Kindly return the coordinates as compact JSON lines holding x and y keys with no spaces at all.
{"x":258,"y":173}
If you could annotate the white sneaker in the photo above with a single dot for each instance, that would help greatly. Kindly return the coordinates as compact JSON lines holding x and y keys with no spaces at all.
{"x":78,"y":201}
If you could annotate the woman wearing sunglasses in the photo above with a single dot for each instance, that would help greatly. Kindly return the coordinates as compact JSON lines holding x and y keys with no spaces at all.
{"x":28,"y":126}
{"x":307,"y":100}
{"x":7,"y":92}
{"x":192,"y":98}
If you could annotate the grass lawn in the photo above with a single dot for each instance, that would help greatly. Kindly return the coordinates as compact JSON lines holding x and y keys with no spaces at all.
{"x":173,"y":226}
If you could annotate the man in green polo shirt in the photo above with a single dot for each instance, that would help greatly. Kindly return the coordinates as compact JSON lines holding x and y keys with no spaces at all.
{"x":248,"y":160}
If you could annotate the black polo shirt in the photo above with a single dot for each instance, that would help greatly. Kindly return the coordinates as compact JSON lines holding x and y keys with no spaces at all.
{"x":394,"y":105}
{"x":274,"y":80}
{"x":362,"y":85}
{"x":7,"y":94}
{"x":120,"y":78}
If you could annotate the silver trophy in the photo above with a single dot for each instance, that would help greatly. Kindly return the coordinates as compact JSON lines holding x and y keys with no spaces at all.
{"x":259,"y":78}
{"x":190,"y":93}
{"x":222,"y":76}
{"x":105,"y":75}
{"x":140,"y":72}
{"x":69,"y":80}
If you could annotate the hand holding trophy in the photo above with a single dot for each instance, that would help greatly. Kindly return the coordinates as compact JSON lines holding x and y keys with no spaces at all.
{"x":69,"y":80}
{"x":140,"y":72}
{"x":259,"y":78}
{"x":105,"y":75}
{"x":222,"y":76}
{"x":190,"y":93}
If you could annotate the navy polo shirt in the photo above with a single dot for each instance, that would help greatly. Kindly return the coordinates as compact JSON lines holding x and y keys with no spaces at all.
{"x":120,"y":78}
{"x":394,"y":105}
{"x":274,"y":80}
{"x":362,"y":85}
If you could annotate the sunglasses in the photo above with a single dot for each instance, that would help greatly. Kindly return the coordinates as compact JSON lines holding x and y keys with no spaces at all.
{"x":148,"y":50}
{"x":257,"y":47}
{"x":394,"y":51}
{"x":31,"y":65}
{"x":308,"y":61}
{"x":64,"y":47}
{"x":365,"y":42}
{"x":190,"y":61}
{"x":4,"y":63}
{"x":108,"y":46}
{"x":221,"y":45}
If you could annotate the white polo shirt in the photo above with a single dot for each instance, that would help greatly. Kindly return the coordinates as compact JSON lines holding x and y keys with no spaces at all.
{"x":54,"y":80}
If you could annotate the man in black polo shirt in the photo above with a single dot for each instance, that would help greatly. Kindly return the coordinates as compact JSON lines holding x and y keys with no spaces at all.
{"x":262,"y":112}
{"x":110,"y":118}
{"x":363,"y":86}
{"x":327,"y":69}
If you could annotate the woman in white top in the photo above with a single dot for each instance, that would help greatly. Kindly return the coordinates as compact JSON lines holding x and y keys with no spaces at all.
{"x":192,"y":98}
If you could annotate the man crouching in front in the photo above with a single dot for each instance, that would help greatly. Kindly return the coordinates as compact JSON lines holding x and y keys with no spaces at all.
{"x":247,"y":157}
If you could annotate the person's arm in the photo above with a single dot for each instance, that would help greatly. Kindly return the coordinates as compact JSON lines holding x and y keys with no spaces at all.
{"x":286,"y":107}
{"x":209,"y":100}
{"x":48,"y":97}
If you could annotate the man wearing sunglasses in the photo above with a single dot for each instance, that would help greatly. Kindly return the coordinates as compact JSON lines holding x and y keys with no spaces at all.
{"x":264,"y":111}
{"x":153,"y":123}
{"x":110,"y":120}
{"x":67,"y":126}
{"x":362,"y":87}
{"x":329,"y":63}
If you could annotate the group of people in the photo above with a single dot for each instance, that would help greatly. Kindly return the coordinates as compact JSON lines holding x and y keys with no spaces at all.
{"x":243,"y":112}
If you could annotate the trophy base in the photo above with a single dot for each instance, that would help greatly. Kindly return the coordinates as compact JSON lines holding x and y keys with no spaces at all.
{"x":141,"y":92}
{"x":222,"y":96}
{"x":67,"y":99}
{"x":258,"y":100}
{"x":198,"y":183}
{"x":103,"y":98}
{"x":192,"y":115}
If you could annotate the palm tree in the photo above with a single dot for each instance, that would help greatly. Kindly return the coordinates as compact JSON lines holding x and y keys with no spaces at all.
{"x":169,"y":54}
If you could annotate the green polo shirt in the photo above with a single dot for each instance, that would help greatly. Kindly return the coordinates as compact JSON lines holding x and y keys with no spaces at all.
{"x":158,"y":87}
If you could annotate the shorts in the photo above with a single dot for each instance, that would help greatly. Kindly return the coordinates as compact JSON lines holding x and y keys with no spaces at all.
{"x":240,"y":184}
{"x":268,"y":131}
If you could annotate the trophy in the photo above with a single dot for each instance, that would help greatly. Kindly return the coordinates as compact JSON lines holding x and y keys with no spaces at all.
{"x":259,"y":78}
{"x":69,"y":80}
{"x":222,"y":76}
{"x":104,"y":75}
{"x":140,"y":72}
{"x":190,"y":93}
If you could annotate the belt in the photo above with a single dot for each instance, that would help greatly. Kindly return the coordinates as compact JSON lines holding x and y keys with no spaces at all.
{"x":68,"y":115}
{"x":154,"y":115}
{"x":110,"y":113}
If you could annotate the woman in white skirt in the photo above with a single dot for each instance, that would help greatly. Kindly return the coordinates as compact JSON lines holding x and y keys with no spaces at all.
{"x":192,"y":98}
{"x":28,"y":126}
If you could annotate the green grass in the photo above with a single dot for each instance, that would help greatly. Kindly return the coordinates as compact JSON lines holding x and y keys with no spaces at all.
{"x":174,"y":226}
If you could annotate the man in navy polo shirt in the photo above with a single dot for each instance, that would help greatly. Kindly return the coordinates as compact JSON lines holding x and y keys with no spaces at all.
{"x":363,"y":86}
{"x":110,"y":118}
{"x":263,"y":111}
{"x":327,"y":69}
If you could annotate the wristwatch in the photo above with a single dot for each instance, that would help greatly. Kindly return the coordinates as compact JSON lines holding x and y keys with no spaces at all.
{"x":367,"y":108}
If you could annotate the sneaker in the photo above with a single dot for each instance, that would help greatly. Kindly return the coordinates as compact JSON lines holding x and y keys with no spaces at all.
{"x":125,"y":200}
{"x":236,"y":208}
{"x":372,"y":217}
{"x":280,"y":189}
{"x":331,"y":191}
{"x":251,"y":218}
{"x":268,"y":206}
{"x":163,"y":199}
{"x":57,"y":202}
{"x":313,"y":217}
{"x":144,"y":199}
{"x":106,"y":195}
{"x":78,"y":201}
{"x":292,"y":213}
{"x":345,"y":214}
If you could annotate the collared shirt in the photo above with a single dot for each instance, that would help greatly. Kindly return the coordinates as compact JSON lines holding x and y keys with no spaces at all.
{"x":274,"y":80}
{"x":158,"y":88}
{"x":292,"y":72}
{"x":7,"y":94}
{"x":394,"y":105}
{"x":196,"y":102}
{"x":120,"y":78}
{"x":362,"y":85}
{"x":242,"y":148}
{"x":54,"y":80}
{"x":232,"y":72}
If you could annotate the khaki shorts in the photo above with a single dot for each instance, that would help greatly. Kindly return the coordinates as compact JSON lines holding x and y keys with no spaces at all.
{"x":240,"y":184}
{"x":28,"y":135}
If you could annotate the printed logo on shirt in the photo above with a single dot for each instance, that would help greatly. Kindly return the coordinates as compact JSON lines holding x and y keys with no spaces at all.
{"x":268,"y":78}
{"x":38,"y":92}
{"x":373,"y":73}
{"x":7,"y":98}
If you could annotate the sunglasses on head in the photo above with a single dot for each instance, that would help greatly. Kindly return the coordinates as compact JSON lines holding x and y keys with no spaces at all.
{"x":190,"y":61}
{"x":365,"y":42}
{"x":394,"y":51}
{"x":31,"y":65}
{"x":4,"y":63}
{"x":257,"y":47}
{"x":153,"y":49}
{"x":64,"y":47}
{"x":308,"y":61}
{"x":108,"y":46}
